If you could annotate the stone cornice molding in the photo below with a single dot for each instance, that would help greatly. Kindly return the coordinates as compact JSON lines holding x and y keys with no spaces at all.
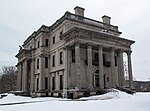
{"x":81,"y":33}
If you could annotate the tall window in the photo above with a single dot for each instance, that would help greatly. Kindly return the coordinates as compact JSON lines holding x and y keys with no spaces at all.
{"x":38,"y":44}
{"x":61,"y":33}
{"x":46,"y":62}
{"x":46,"y":42}
{"x":54,"y":40}
{"x":73,"y":56}
{"x":37,"y":63}
{"x":61,"y":57}
{"x":115,"y":60}
{"x":61,"y":82}
{"x":53,"y":62}
{"x":96,"y":80}
{"x":46,"y":82}
{"x":53,"y":83}
{"x":37,"y":84}
{"x":96,"y":60}
{"x":104,"y":59}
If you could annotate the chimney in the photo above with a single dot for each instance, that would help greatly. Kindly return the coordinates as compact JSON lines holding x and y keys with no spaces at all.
{"x":106,"y":19}
{"x":79,"y":11}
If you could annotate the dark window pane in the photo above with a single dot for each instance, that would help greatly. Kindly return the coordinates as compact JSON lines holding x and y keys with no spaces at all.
{"x":46,"y":42}
{"x":61,"y":82}
{"x":38,"y":44}
{"x":61,"y":58}
{"x":46,"y":82}
{"x":97,"y":80}
{"x":73,"y":56}
{"x":46,"y":62}
{"x":53,"y":83}
{"x":53,"y":40}
{"x":53,"y":64}
{"x":37,"y":84}
{"x":37,"y":63}
{"x":115,"y":60}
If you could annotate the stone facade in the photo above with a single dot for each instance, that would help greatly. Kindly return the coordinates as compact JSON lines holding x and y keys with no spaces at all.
{"x":75,"y":56}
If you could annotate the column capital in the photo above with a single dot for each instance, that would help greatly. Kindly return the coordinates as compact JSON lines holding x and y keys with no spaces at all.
{"x":120,"y":51}
{"x":89,"y":44}
{"x":112,"y":48}
{"x":129,"y":52}
{"x":77,"y":44}
{"x":100,"y":47}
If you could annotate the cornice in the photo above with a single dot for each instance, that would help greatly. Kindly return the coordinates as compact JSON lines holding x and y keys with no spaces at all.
{"x":81,"y":33}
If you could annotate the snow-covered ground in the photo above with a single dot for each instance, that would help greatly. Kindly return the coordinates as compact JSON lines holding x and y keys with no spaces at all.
{"x":113,"y":101}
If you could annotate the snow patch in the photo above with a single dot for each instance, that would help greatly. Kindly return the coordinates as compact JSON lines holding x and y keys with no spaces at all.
{"x":114,"y":93}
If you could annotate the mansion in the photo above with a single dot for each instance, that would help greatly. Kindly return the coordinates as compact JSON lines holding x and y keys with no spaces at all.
{"x":76,"y":56}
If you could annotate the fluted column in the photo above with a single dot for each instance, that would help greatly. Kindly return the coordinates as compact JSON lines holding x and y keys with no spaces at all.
{"x":25,"y":76}
{"x":42,"y":75}
{"x":32,"y":83}
{"x":121,"y":69}
{"x":130,"y":69}
{"x":89,"y":73}
{"x":65,"y":73}
{"x":101,"y":72}
{"x":77,"y":62}
{"x":113,"y":82}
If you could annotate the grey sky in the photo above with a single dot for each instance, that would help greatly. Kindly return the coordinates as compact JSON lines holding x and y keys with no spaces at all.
{"x":19,"y":18}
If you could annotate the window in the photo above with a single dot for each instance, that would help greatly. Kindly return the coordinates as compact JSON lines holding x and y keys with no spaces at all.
{"x":96,"y":60}
{"x":46,"y":42}
{"x":115,"y":60}
{"x":61,"y":57}
{"x":38,"y":44}
{"x":61,"y":82}
{"x":53,"y":40}
{"x":53,"y":83}
{"x":73,"y":56}
{"x":46,"y":62}
{"x":61,"y":33}
{"x":104,"y":59}
{"x":96,"y":80}
{"x":37,"y":84}
{"x":53,"y":62}
{"x":46,"y":82}
{"x":37,"y":63}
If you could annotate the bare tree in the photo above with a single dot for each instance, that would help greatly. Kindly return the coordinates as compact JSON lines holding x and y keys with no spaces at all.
{"x":8,"y":79}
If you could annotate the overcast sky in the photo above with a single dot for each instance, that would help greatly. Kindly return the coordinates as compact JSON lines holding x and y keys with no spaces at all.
{"x":19,"y":18}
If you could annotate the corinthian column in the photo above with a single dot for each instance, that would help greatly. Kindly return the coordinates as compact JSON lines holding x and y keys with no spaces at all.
{"x":113,"y":82}
{"x":130,"y":69}
{"x":65,"y":75}
{"x":77,"y":62}
{"x":89,"y":57}
{"x":101,"y":72}
{"x":25,"y":76}
{"x":121,"y":69}
{"x":42,"y":75}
